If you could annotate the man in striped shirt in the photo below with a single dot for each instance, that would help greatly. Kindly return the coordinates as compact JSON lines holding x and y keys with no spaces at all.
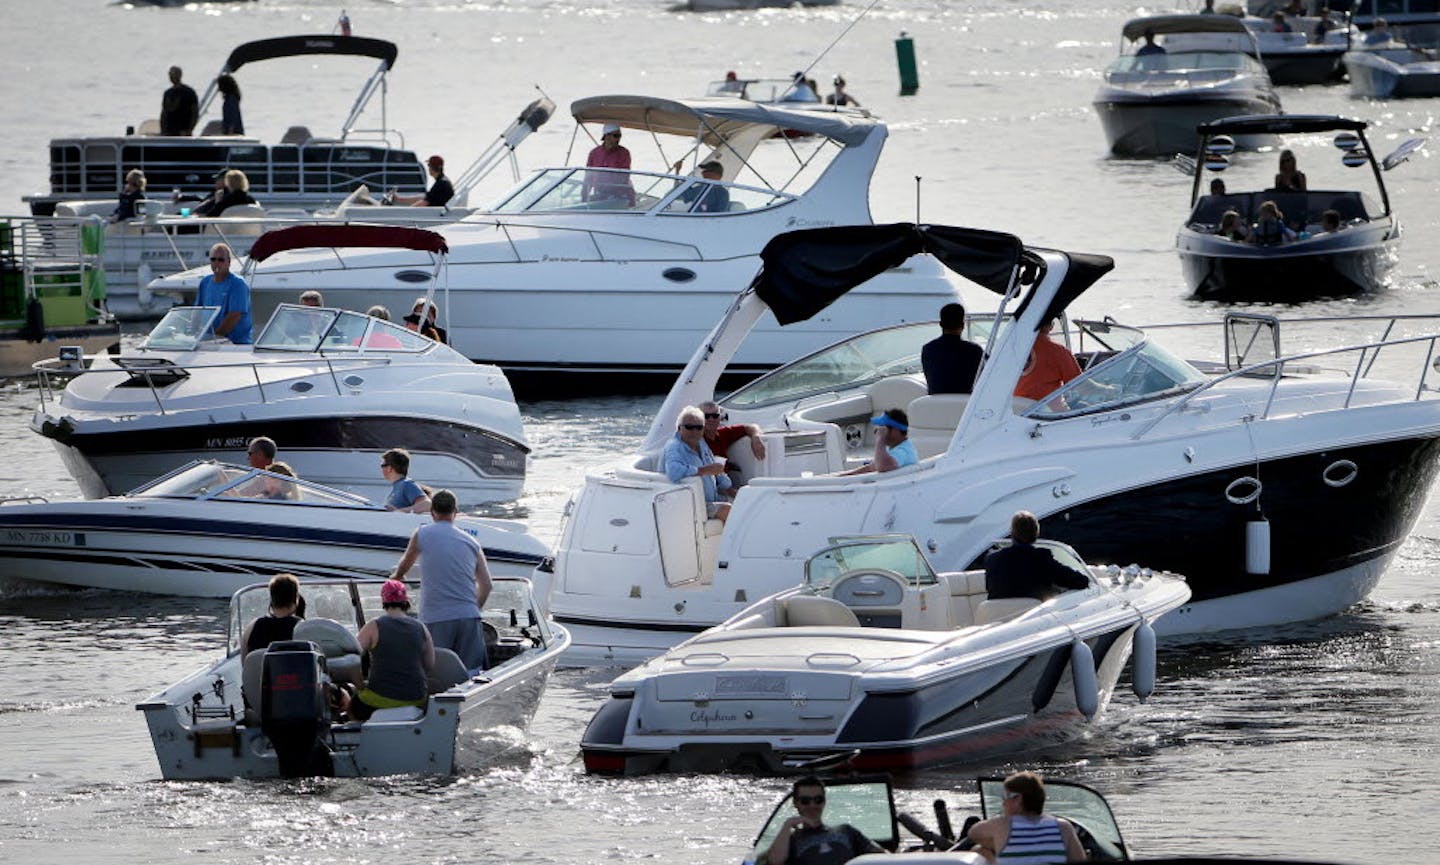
{"x":1024,"y":834}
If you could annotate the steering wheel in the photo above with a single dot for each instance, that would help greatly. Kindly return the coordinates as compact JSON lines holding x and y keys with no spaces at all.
{"x":1095,"y":849}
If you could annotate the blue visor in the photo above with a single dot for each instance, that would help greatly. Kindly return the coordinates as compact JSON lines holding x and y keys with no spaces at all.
{"x":887,"y":420}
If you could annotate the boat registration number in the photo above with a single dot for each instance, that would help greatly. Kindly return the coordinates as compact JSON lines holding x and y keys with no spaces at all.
{"x":770,"y":686}
{"x":59,"y":539}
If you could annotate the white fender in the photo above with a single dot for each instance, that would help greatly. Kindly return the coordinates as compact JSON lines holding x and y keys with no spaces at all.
{"x":1257,"y":546}
{"x":1142,"y":662}
{"x":1082,"y":673}
{"x":143,"y":275}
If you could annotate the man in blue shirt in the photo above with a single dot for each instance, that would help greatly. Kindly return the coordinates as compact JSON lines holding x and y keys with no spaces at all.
{"x":687,"y":456}
{"x":708,"y":197}
{"x":405,"y":495}
{"x":229,"y":292}
{"x":893,"y":448}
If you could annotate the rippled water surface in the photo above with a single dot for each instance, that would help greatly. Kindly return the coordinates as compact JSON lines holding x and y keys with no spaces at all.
{"x":1316,"y":741}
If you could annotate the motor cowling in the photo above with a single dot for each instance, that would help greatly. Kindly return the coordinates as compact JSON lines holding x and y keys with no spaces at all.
{"x":293,"y":711}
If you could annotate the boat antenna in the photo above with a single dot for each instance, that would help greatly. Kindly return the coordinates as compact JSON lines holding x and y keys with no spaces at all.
{"x":856,"y":20}
{"x":917,"y":199}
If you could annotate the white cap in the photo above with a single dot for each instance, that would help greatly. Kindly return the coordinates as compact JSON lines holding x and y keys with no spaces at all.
{"x":610,"y":127}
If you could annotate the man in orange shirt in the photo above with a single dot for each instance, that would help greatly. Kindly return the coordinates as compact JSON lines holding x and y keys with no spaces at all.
{"x":1051,"y":365}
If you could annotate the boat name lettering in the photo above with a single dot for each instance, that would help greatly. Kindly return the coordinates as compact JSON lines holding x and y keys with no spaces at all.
{"x":558,"y":258}
{"x":707,"y":718}
{"x":797,"y":222}
{"x":227,"y":443}
{"x":774,"y":685}
{"x":23,"y":537}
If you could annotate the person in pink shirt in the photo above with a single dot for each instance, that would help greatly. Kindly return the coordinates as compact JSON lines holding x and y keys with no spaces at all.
{"x":609,"y":185}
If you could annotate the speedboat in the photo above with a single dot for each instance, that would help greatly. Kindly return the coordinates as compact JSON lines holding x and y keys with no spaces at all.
{"x":335,"y":389}
{"x":1280,"y":485}
{"x":208,"y":529}
{"x":164,"y":237}
{"x":1295,"y":57}
{"x":563,"y":280}
{"x":1392,"y":70}
{"x":300,"y":170}
{"x":877,"y":658}
{"x":264,"y":715}
{"x":1150,"y":104}
{"x":1353,"y":257}
{"x":867,"y":802}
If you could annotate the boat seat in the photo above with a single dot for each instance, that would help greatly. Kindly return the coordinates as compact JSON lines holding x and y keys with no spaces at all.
{"x":397,"y":715}
{"x":803,"y":610}
{"x":448,"y":671}
{"x":1003,"y":609}
{"x":150,"y":126}
{"x":296,"y":135}
{"x":251,"y":676}
{"x":967,"y":593}
{"x":214,"y":127}
{"x":897,"y":391}
{"x":338,"y":645}
{"x":933,"y":419}
{"x":251,"y":212}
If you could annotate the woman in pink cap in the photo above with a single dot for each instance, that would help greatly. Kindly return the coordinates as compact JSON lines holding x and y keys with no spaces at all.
{"x":401,"y":656}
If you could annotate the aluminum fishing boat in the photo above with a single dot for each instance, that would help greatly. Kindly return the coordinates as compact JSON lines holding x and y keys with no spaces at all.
{"x":878,"y":658}
{"x":598,"y":273}
{"x":1305,"y":260}
{"x":1150,"y":103}
{"x":335,"y":389}
{"x":209,"y":529}
{"x":1280,"y":484}
{"x":265,"y":715}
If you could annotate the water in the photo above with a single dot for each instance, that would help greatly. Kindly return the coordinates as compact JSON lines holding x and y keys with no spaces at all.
{"x":1316,"y":741}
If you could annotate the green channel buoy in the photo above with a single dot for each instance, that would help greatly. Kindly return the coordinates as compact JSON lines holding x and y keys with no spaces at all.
{"x":905,"y":57}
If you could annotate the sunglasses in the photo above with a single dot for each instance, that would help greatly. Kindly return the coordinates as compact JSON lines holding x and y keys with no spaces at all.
{"x":1010,"y":794}
{"x":692,"y":426}
{"x":810,"y":800}
{"x":713,"y":415}
{"x":386,"y":466}
{"x":213,"y":258}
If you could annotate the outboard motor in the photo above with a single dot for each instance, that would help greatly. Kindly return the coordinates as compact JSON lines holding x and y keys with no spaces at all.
{"x":293,"y":710}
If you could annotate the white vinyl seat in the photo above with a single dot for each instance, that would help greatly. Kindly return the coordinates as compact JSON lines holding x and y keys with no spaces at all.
{"x":1001,"y":609}
{"x":296,"y":135}
{"x":251,"y":677}
{"x":933,"y":419}
{"x":803,"y":610}
{"x":895,"y":392}
{"x":149,"y":127}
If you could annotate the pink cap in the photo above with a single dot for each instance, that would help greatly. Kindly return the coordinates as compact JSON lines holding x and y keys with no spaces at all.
{"x":394,"y":592}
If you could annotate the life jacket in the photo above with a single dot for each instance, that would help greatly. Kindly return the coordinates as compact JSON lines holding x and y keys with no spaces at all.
{"x":1269,"y":232}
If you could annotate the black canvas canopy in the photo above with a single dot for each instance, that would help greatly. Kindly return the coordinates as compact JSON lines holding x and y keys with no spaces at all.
{"x":293,"y":46}
{"x":1278,"y":124}
{"x":805,"y":271}
{"x":338,"y":236}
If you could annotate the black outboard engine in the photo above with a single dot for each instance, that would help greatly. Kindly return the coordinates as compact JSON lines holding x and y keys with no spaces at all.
{"x":293,"y":710}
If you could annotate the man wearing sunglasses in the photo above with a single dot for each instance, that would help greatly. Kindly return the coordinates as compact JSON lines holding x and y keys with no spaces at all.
{"x":720,"y":438}
{"x":687,"y":456}
{"x":229,"y":292}
{"x":805,"y":839}
{"x":1024,"y":833}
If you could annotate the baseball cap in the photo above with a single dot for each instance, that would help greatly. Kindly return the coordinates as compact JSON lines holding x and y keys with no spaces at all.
{"x":712,"y":165}
{"x":892,"y":418}
{"x":394,"y":592}
{"x":435,"y":160}
{"x":611,"y":127}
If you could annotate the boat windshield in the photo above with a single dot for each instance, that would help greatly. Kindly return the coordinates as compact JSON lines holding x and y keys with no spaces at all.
{"x":509,"y":609}
{"x":1185,"y":61}
{"x":313,"y":329}
{"x":1074,"y":802}
{"x":182,"y":328}
{"x":580,"y":189}
{"x":851,"y":363}
{"x":1139,"y":372}
{"x":868,"y":804}
{"x":897,"y":553}
{"x":209,"y":480}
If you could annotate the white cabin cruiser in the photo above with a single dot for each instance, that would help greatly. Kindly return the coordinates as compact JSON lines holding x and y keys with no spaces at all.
{"x":564,"y":277}
{"x":878,"y":656}
{"x":1150,"y":103}
{"x":1393,"y":70}
{"x":1296,"y":56}
{"x":208,"y":529}
{"x":265,"y":714}
{"x":335,"y":389}
{"x":1281,"y":488}
{"x":1303,"y":260}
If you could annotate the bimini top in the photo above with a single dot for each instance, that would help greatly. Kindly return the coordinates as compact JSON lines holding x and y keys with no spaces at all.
{"x":1279,"y":123}
{"x":337,"y":236}
{"x":802,"y":272}
{"x":294,"y":46}
{"x":713,"y":119}
{"x":1158,"y":24}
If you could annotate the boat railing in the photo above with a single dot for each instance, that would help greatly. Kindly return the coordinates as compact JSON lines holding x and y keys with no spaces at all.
{"x":61,"y":260}
{"x":52,"y":373}
{"x":1365,"y":357}
{"x":24,"y":500}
